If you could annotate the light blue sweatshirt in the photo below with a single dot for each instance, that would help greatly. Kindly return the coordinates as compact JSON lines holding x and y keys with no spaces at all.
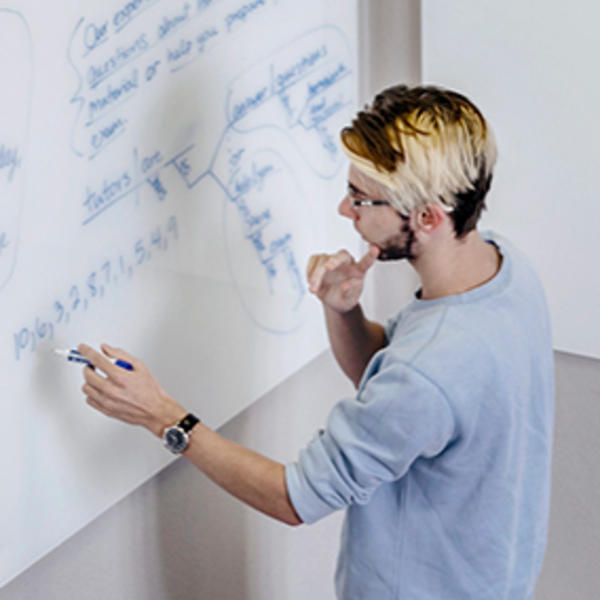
{"x":443,"y":457}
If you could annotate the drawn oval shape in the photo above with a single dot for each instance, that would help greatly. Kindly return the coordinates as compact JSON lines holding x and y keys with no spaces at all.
{"x":16,"y":68}
{"x":263,"y":221}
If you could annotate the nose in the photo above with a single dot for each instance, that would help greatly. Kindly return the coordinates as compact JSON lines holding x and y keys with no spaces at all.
{"x":346,"y":209}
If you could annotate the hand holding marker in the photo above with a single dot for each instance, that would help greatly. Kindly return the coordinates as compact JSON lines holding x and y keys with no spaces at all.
{"x":75,"y":356}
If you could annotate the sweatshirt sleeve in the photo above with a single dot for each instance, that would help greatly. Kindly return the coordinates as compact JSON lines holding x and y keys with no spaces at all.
{"x":396,"y":417}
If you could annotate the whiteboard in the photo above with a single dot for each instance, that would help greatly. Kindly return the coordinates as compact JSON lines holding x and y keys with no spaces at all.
{"x":166,"y":169}
{"x":532,"y":69}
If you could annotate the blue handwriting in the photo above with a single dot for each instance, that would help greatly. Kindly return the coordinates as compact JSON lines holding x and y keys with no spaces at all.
{"x":151,"y":161}
{"x":132,"y":9}
{"x":104,"y":135}
{"x":9,"y":160}
{"x":94,"y":35}
{"x":112,"y":190}
{"x":82,"y":295}
{"x":183,"y":49}
{"x":4,"y":243}
{"x":250,"y":102}
{"x":96,"y":74}
{"x":240,"y":185}
{"x":299,"y":68}
{"x":327,"y":81}
{"x":113,"y":96}
{"x":97,"y":201}
{"x":170,"y":23}
{"x":204,"y":37}
{"x":241,"y":14}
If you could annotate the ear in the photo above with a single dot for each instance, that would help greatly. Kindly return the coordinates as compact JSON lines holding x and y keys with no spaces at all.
{"x":430,"y":218}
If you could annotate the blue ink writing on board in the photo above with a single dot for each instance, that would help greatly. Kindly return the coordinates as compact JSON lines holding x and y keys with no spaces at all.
{"x":327,"y":139}
{"x":241,"y":14}
{"x":94,"y":35}
{"x":128,"y":12}
{"x":98,"y":200}
{"x":149,"y":162}
{"x":151,"y":70}
{"x":241,"y":184}
{"x":240,"y":110}
{"x":9,"y":160}
{"x":321,"y":111}
{"x":251,"y":180}
{"x":299,"y":68}
{"x":97,"y":73}
{"x":104,"y":88}
{"x":80,"y":297}
{"x":105,"y":134}
{"x":304,"y":81}
{"x":112,"y":96}
{"x":168,"y":24}
{"x":202,"y":5}
{"x":182,"y":50}
{"x":285,"y":102}
{"x":327,"y":81}
{"x":113,"y":189}
{"x":158,"y":187}
{"x":4,"y":243}
{"x":204,"y":37}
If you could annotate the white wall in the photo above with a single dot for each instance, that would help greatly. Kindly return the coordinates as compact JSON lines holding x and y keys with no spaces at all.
{"x":179,"y":536}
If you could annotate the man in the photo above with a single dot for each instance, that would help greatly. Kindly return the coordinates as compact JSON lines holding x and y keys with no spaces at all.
{"x":442,"y":459}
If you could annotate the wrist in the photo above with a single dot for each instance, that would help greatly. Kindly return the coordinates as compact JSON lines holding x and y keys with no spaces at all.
{"x":171,"y":413}
{"x":352,"y":313}
{"x":176,"y":437}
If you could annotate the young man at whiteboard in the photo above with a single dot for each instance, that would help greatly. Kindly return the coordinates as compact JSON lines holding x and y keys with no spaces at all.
{"x":442,"y":459}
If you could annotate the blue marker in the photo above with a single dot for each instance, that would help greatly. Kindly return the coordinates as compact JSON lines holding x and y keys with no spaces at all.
{"x":75,"y":356}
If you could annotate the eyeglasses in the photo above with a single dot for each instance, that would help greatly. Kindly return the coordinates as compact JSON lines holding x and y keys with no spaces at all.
{"x":359,"y":198}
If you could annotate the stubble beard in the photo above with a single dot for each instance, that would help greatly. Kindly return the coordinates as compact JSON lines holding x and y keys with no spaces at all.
{"x":399,"y":246}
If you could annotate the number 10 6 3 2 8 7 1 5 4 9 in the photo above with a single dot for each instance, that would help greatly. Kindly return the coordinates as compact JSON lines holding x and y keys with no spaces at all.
{"x":82,"y":296}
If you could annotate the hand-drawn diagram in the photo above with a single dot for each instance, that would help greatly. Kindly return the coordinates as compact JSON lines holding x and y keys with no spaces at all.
{"x":291,"y":101}
{"x":182,"y":164}
{"x":15,"y":102}
{"x":140,"y":125}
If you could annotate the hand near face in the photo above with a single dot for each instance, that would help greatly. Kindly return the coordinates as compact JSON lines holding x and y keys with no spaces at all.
{"x":134,"y":397}
{"x":337,"y":279}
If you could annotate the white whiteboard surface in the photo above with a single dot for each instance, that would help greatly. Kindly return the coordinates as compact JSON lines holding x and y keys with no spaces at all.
{"x":166,"y":169}
{"x":532,"y":69}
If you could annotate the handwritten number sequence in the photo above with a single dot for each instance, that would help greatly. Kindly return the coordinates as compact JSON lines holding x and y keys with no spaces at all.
{"x":78,"y":300}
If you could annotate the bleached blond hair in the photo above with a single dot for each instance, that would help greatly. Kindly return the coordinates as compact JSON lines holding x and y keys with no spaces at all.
{"x":425,"y":145}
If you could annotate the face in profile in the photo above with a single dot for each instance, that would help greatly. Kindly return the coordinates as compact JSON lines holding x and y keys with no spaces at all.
{"x":375,"y":219}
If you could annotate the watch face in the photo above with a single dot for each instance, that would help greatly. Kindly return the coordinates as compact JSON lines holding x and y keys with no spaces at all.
{"x":175,"y":439}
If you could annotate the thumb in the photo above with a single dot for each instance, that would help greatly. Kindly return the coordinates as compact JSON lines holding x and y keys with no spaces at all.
{"x":366,"y":262}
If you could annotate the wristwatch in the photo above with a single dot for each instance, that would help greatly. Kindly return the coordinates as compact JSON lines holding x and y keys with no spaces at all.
{"x":177,"y":437}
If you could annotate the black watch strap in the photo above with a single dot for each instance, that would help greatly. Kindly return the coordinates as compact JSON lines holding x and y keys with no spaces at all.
{"x":188,"y":422}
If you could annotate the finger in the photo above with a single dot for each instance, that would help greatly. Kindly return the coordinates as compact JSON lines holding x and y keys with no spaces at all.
{"x":314,"y":282}
{"x":93,"y":378}
{"x":99,"y":361}
{"x":343,"y":257}
{"x":108,"y":406}
{"x":317,"y":278}
{"x":99,"y":400}
{"x":312,"y":263}
{"x":367,"y":261}
{"x":333,"y":262}
{"x":97,"y":405}
{"x":119,"y":353}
